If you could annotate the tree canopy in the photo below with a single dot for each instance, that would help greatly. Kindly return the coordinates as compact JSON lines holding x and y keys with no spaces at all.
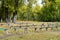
{"x":30,"y":10}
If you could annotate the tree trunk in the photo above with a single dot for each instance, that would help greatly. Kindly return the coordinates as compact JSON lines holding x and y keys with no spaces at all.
{"x":15,"y":13}
{"x":7,"y":15}
{"x":0,"y":19}
{"x":14,"y":17}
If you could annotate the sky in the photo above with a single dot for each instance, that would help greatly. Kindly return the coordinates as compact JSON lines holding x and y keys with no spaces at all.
{"x":39,"y":2}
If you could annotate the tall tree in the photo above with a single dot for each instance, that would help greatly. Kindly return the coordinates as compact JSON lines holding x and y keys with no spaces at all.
{"x":49,"y":11}
{"x":29,"y":8}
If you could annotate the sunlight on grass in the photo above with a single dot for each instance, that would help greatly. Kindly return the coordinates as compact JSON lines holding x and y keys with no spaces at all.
{"x":32,"y":34}
{"x":36,"y":36}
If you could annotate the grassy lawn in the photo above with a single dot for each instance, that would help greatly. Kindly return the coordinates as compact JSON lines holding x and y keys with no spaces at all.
{"x":36,"y":36}
{"x":32,"y":35}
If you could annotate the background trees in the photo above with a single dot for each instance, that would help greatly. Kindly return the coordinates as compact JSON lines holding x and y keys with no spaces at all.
{"x":29,"y":10}
{"x":49,"y":11}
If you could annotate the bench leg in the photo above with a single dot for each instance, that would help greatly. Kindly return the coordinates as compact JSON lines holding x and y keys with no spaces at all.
{"x":52,"y":28}
{"x":40,"y":28}
{"x":57,"y":28}
{"x":46,"y":29}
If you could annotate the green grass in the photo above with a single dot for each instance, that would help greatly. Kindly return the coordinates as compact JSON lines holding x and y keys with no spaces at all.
{"x":36,"y":36}
{"x":32,"y":35}
{"x":2,"y":33}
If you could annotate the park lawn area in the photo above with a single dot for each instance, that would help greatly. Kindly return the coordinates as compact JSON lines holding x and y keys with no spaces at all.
{"x":32,"y":35}
{"x":2,"y":33}
{"x":36,"y":36}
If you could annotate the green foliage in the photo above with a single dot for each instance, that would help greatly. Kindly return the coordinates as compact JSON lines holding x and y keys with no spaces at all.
{"x":50,"y":11}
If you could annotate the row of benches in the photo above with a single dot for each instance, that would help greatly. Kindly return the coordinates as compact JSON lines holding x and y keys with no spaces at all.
{"x":48,"y":25}
{"x":41,"y":26}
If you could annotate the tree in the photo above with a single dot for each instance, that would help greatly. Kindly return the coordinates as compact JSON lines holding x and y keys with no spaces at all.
{"x":29,"y":8}
{"x":6,"y":9}
{"x":49,"y":11}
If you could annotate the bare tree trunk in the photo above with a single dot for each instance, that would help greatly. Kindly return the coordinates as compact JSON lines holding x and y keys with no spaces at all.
{"x":14,"y":17}
{"x":15,"y":13}
{"x":0,"y":19}
{"x":6,"y":15}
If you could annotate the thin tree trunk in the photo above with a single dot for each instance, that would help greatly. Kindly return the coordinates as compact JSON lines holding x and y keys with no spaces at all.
{"x":0,"y":19}
{"x":14,"y":17}
{"x":6,"y":15}
{"x":15,"y":13}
